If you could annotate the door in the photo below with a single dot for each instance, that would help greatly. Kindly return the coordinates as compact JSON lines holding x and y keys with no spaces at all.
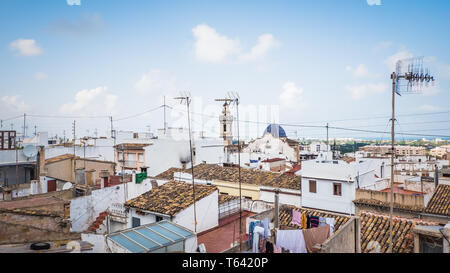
{"x":51,"y":185}
{"x":135,"y":222}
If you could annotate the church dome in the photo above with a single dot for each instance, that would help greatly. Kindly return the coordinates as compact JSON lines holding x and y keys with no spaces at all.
{"x":275,"y":130}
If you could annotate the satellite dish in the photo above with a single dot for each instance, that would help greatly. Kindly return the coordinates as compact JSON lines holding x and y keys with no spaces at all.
{"x":67,"y":186}
{"x":30,"y":151}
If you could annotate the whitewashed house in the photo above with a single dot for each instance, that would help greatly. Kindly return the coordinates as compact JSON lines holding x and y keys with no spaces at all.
{"x":331,"y":184}
{"x":174,"y":202}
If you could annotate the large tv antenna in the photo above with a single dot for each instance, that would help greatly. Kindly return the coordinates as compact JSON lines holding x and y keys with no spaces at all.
{"x":186,"y":97}
{"x":409,"y":77}
{"x":233,"y":98}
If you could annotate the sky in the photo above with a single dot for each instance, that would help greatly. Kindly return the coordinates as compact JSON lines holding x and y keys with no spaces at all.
{"x":290,"y":62}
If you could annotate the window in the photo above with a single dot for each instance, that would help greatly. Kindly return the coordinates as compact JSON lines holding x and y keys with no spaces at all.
{"x":337,"y":189}
{"x":312,"y":186}
{"x":224,"y":128}
{"x":247,"y":197}
{"x":317,"y":148}
{"x":141,"y":157}
{"x":130,"y":157}
{"x":158,"y":218}
{"x":135,"y":221}
{"x":120,"y":155}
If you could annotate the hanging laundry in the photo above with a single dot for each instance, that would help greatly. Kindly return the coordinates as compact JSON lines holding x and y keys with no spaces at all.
{"x":257,"y":233}
{"x":250,"y":233}
{"x":292,"y":240}
{"x":269,"y":247}
{"x":304,"y":220}
{"x":296,"y":218}
{"x":330,"y":221}
{"x":313,"y":221}
{"x":276,"y":249}
{"x":266,"y":224}
{"x":262,"y":245}
{"x":322,"y":221}
{"x":315,"y":236}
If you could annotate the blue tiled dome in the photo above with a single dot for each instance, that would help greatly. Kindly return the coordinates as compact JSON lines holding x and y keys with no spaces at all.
{"x":275,"y":130}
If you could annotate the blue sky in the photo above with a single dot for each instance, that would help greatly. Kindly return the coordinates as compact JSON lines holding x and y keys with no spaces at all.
{"x":308,"y":60}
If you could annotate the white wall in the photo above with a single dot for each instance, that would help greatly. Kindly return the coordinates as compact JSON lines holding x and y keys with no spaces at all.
{"x":324,"y":198}
{"x":207,"y":212}
{"x":165,"y":153}
{"x":266,"y":195}
{"x":85,"y":209}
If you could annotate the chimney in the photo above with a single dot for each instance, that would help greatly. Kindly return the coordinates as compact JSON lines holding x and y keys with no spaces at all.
{"x":154,"y":184}
{"x":436,"y":175}
{"x":41,"y":161}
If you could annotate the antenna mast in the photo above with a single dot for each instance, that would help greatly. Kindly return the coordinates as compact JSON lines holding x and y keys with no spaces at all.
{"x":404,"y":82}
{"x":234,"y":98}
{"x":187,"y":98}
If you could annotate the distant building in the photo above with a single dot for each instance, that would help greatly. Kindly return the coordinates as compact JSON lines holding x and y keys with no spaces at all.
{"x":400,"y":150}
{"x":131,"y":156}
{"x":273,"y":144}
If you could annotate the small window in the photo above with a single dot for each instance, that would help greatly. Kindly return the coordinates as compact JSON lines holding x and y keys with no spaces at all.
{"x":224,"y":193}
{"x":312,"y":186}
{"x":247,"y":197}
{"x":224,"y":128}
{"x":337,"y":189}
{"x":158,"y":218}
{"x":135,"y":221}
{"x":141,"y":157}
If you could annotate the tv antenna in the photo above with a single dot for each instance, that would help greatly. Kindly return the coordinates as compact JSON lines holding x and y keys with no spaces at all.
{"x":186,"y":97}
{"x":409,"y":77}
{"x":233,"y":98}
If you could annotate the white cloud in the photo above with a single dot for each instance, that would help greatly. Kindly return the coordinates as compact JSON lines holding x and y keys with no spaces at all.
{"x":373,"y":2}
{"x":155,"y":82}
{"x":363,"y":90}
{"x":210,"y":46}
{"x":360,"y":71}
{"x":25,"y":47}
{"x":265,"y":43}
{"x":40,"y":76}
{"x":12,"y":104}
{"x":73,"y":2}
{"x":430,"y":108}
{"x":291,"y":97}
{"x":391,"y":61}
{"x":93,"y":101}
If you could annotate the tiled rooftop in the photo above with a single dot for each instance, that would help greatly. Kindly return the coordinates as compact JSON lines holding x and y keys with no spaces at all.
{"x":286,"y":216}
{"x":170,"y":198}
{"x":378,"y":203}
{"x":375,"y":227}
{"x":255,"y":177}
{"x":440,"y":201}
{"x":223,"y":198}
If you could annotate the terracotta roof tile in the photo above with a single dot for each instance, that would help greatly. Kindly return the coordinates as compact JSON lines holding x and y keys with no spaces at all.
{"x":255,"y":177}
{"x":378,"y":203}
{"x":440,"y":201}
{"x":223,"y":198}
{"x":286,"y":216}
{"x":170,"y":198}
{"x":375,"y":227}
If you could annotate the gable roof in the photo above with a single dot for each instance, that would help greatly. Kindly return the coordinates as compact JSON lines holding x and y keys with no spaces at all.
{"x":170,"y":198}
{"x":286,"y":216}
{"x":440,"y":201}
{"x":375,"y":227}
{"x":231,"y":174}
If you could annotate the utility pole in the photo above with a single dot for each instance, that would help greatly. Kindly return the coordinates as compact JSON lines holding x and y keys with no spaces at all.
{"x":24,"y":125}
{"x":35,"y":130}
{"x":165,"y":124}
{"x":327,"y":137}
{"x":74,"y":136}
{"x":188,"y":101}
{"x":391,"y":209}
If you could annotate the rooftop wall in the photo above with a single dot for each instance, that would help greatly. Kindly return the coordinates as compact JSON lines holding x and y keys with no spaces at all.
{"x":400,"y":199}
